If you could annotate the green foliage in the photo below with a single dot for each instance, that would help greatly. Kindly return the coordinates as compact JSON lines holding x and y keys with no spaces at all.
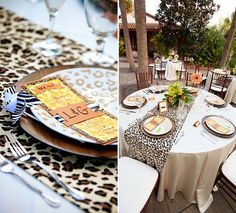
{"x":211,"y":49}
{"x":121,"y":46}
{"x":159,"y":44}
{"x":233,"y":71}
{"x":177,"y":93}
{"x":225,"y":28}
{"x":232,"y":62}
{"x":184,"y":23}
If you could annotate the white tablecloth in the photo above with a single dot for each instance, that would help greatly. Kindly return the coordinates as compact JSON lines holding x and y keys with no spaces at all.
{"x":171,"y":67}
{"x":71,"y":22}
{"x":194,"y":154}
{"x":231,"y":92}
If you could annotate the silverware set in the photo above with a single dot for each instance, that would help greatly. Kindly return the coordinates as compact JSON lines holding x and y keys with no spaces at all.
{"x":127,"y":111}
{"x":210,"y":137}
{"x":21,"y":154}
{"x":7,"y":167}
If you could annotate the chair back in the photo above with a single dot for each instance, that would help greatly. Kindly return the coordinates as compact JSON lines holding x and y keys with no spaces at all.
{"x":183,"y":70}
{"x":143,"y":79}
{"x":157,"y":61}
{"x":218,"y":83}
{"x":209,"y":68}
{"x":197,"y":68}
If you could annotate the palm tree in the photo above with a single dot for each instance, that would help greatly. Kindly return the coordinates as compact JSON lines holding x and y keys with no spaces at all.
{"x":128,"y":48}
{"x":141,"y":32}
{"x":230,"y":38}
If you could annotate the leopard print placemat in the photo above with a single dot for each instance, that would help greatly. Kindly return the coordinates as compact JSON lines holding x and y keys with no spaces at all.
{"x":150,"y":150}
{"x":97,"y":178}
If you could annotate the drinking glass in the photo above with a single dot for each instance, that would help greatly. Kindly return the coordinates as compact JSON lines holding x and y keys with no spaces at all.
{"x":181,"y":111}
{"x":101,"y":16}
{"x":50,"y":47}
{"x":139,"y":102}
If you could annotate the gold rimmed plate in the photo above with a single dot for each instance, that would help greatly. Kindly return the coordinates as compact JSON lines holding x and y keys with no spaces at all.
{"x":157,"y":126}
{"x":219,"y":126}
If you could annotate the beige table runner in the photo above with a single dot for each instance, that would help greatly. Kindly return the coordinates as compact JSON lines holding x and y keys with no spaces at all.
{"x":96,"y":178}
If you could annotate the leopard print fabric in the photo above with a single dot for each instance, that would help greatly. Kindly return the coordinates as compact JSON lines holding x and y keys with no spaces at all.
{"x":97,"y":178}
{"x":153,"y":151}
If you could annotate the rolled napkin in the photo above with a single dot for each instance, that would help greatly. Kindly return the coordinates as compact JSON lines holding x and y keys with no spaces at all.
{"x":217,"y":126}
{"x":153,"y":123}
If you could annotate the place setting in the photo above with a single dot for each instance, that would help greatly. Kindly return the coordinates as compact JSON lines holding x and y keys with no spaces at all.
{"x":219,"y":126}
{"x":50,"y":106}
{"x":134,"y":102}
{"x":157,"y":126}
{"x":156,"y":89}
{"x":215,"y":101}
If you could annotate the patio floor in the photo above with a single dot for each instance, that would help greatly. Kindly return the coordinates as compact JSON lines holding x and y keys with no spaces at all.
{"x":221,"y":203}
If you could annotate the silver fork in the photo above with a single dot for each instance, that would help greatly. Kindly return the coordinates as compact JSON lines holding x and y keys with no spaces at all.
{"x":22,"y":155}
{"x":6,"y":167}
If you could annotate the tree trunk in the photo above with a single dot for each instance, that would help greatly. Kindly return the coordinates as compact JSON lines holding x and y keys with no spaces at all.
{"x":128,"y":48}
{"x":230,"y":37}
{"x":141,"y":31}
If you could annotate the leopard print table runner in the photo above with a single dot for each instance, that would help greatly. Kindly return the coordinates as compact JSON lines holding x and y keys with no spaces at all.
{"x":150,"y":150}
{"x":95,"y":177}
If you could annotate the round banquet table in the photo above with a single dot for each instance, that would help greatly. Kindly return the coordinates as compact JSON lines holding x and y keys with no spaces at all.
{"x":171,"y":67}
{"x":193,"y":162}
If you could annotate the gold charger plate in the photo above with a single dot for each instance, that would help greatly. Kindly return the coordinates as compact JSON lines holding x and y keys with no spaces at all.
{"x":50,"y":137}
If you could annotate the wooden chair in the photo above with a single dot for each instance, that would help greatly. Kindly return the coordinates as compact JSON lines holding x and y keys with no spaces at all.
{"x":159,"y":68}
{"x":136,"y":183}
{"x":209,"y":68}
{"x":218,"y":84}
{"x":183,"y":71}
{"x":143,"y":79}
{"x":197,"y":68}
{"x":227,"y":176}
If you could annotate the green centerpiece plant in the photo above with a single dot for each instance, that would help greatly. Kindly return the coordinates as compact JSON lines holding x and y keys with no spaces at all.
{"x":177,"y":94}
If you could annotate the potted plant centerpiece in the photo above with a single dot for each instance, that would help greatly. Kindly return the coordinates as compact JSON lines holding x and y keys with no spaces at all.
{"x":177,"y":94}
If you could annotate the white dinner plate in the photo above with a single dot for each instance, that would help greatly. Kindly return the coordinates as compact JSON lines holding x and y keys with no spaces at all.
{"x":161,"y":129}
{"x":132,"y":100}
{"x":215,"y":100}
{"x":157,"y":88}
{"x":97,"y":84}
